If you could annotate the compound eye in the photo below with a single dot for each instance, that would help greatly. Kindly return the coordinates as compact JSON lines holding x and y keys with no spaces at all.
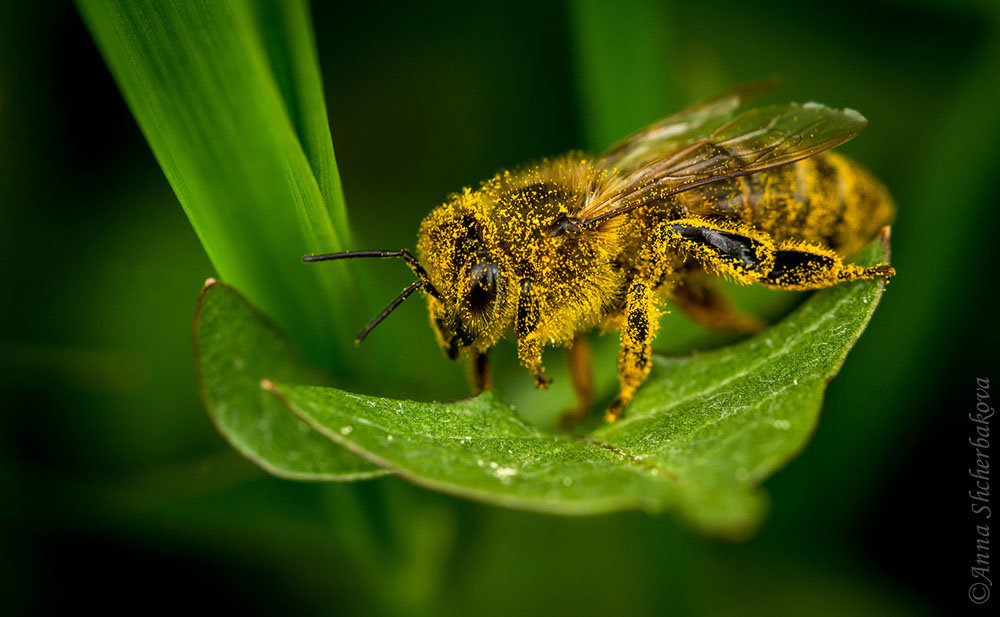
{"x":485,"y":276}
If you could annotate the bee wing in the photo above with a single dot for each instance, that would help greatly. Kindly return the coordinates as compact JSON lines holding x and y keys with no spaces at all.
{"x":693,"y":122}
{"x":755,"y":140}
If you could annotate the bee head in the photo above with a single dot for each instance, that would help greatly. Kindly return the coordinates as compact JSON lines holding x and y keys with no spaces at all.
{"x":462,"y":274}
{"x":463,"y":260}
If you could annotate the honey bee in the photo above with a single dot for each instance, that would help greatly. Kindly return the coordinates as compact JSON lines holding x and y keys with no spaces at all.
{"x":548,"y":252}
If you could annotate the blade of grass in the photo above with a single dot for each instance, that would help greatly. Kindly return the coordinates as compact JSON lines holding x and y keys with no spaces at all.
{"x":291,"y":47}
{"x":228,"y":96}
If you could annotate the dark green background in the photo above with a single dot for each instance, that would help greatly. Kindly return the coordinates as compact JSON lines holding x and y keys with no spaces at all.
{"x":116,"y":490}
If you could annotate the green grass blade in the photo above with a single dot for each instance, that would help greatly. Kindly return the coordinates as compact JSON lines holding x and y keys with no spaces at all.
{"x":229,"y":99}
{"x":291,"y":47}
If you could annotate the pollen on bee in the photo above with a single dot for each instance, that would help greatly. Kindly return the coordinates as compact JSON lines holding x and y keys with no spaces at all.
{"x":554,"y":249}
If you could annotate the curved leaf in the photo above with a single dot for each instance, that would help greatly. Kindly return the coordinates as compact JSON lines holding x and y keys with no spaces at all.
{"x":699,"y":438}
{"x":235,"y":347}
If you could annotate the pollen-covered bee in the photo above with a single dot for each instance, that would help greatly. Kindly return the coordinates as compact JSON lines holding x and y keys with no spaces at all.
{"x":555,"y":249}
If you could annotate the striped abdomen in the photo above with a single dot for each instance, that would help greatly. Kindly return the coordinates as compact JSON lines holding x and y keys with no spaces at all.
{"x":826,"y":199}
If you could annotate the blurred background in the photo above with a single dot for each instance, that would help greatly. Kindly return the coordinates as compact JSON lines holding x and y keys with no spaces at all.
{"x":117,"y":491}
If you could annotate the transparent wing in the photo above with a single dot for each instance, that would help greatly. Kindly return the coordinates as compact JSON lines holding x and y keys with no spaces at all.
{"x":753,"y":141}
{"x":693,"y":122}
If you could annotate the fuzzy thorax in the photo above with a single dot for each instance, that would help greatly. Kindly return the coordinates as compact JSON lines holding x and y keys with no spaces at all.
{"x":511,"y":226}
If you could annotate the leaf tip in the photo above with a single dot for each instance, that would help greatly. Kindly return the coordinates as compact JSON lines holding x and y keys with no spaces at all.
{"x":208,"y":283}
{"x":267,"y":385}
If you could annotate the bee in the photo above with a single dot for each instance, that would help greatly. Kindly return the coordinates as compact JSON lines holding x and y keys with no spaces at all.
{"x":551,"y":251}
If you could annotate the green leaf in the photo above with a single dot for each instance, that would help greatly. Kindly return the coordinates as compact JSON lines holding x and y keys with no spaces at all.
{"x":228,"y":95}
{"x":235,"y":347}
{"x":699,"y":438}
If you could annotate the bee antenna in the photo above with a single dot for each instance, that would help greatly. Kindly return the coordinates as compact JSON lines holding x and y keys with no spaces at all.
{"x":411,"y":261}
{"x":403,"y":295}
{"x":357,"y":254}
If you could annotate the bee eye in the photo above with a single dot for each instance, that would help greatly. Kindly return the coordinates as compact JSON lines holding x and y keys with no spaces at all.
{"x":484,"y":285}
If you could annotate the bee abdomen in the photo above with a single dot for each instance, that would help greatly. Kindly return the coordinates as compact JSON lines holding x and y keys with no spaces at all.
{"x":826,"y":199}
{"x":860,"y":207}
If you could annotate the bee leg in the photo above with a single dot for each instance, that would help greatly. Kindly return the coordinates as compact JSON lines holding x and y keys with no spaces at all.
{"x":749,"y":256}
{"x":529,"y":346}
{"x":638,"y":332}
{"x":733,"y":251}
{"x":482,"y":379}
{"x":798,"y":265}
{"x":703,"y":302}
{"x":578,"y":359}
